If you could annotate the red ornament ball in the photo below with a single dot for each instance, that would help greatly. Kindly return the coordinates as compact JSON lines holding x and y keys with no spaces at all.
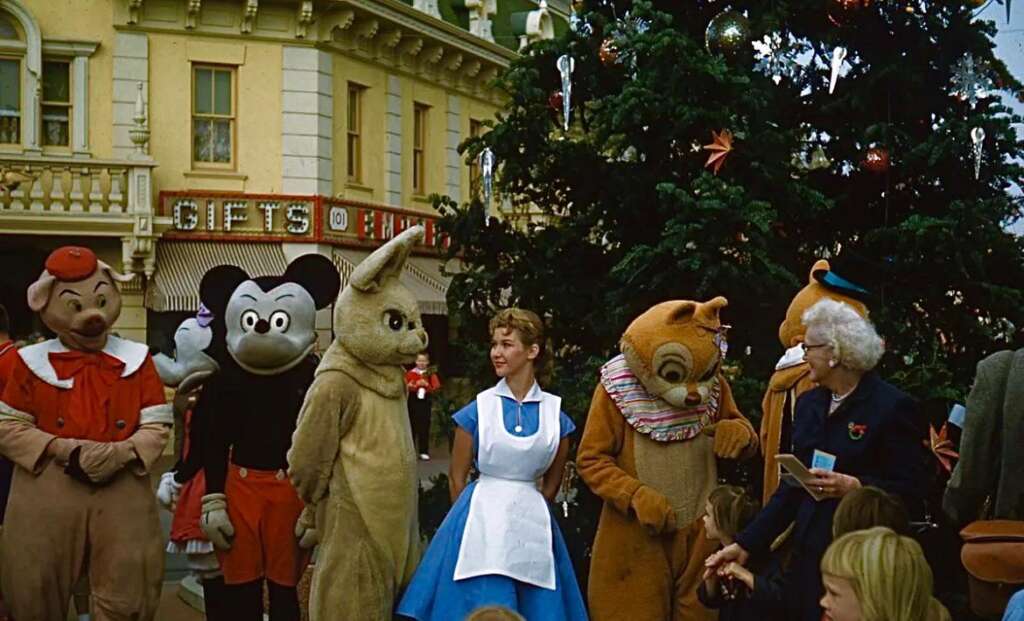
{"x":842,"y":12}
{"x":876,"y":160}
{"x":608,"y":53}
{"x":555,"y":101}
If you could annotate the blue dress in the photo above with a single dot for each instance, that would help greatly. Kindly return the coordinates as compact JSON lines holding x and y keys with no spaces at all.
{"x":433,"y":595}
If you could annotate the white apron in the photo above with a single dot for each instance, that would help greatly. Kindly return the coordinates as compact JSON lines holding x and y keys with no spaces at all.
{"x":508,"y":531}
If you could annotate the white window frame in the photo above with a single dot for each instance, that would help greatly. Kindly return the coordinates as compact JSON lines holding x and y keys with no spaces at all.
{"x":78,"y":53}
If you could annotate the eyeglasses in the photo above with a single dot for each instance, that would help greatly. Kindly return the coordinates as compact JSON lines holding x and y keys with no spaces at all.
{"x":807,"y":347}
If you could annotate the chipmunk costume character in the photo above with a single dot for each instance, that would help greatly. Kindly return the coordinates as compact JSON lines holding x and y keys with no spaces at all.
{"x":792,"y":375}
{"x":660,"y":415}
{"x":83,"y":416}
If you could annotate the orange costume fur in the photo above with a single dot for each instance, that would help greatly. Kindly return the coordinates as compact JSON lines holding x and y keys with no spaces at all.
{"x":660,"y":415}
{"x":792,"y":375}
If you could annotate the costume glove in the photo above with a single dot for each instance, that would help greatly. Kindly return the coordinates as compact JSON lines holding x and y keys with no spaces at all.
{"x":61,"y":449}
{"x":653,"y":510}
{"x":731,"y":437}
{"x":305,"y":529}
{"x":168,"y":490}
{"x":215,"y":523}
{"x":96,"y":463}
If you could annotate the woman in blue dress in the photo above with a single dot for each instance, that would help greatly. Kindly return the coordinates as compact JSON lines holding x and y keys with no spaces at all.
{"x":499,"y":543}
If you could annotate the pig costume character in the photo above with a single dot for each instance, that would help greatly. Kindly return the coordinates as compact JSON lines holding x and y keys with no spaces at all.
{"x":83,"y":417}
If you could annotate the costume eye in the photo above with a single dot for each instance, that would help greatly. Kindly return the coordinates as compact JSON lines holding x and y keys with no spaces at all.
{"x":672,"y":372}
{"x":249,"y":320}
{"x":74,"y":305}
{"x":394,"y":320}
{"x":280,"y":321}
{"x":101,"y":300}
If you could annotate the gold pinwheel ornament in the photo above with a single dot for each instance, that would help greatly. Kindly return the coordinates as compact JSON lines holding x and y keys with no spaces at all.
{"x":720,"y":147}
{"x":942,"y":447}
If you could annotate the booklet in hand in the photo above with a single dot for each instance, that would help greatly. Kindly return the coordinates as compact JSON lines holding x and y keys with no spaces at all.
{"x":796,"y":470}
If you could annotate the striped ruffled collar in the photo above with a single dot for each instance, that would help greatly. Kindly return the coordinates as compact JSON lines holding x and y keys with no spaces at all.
{"x":650,"y":415}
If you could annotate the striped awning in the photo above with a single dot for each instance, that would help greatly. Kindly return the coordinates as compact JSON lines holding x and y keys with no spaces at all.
{"x":180,"y":266}
{"x":418,"y":276}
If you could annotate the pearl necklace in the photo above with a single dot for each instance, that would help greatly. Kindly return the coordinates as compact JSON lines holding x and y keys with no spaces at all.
{"x":839,"y":398}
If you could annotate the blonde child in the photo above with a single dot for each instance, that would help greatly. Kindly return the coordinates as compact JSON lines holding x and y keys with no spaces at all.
{"x":878,"y":575}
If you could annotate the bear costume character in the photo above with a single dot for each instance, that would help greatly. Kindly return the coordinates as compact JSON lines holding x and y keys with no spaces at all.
{"x":83,"y":416}
{"x":352,"y":454}
{"x":182,"y":488}
{"x":250,"y":512}
{"x":791,"y":377}
{"x":660,"y":414}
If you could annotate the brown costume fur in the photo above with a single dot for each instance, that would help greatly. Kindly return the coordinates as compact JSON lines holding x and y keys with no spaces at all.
{"x":650,"y":546}
{"x":786,"y":384}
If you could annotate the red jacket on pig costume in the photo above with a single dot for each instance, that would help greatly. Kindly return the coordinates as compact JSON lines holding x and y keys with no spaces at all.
{"x":83,"y":417}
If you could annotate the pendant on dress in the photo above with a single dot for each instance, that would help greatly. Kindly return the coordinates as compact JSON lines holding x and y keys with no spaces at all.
{"x":518,"y":428}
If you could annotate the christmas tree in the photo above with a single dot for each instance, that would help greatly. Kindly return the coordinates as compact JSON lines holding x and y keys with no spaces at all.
{"x":719,"y":148}
{"x":624,"y":213}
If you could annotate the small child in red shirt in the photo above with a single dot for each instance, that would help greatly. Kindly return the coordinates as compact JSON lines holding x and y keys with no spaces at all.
{"x":422,"y":382}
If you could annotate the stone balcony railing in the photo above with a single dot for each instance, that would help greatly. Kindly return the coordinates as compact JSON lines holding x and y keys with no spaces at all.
{"x":45,"y":195}
{"x":62,"y":185}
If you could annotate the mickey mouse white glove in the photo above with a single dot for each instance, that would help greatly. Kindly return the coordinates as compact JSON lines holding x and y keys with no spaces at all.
{"x":215,"y":523}
{"x":168,"y":490}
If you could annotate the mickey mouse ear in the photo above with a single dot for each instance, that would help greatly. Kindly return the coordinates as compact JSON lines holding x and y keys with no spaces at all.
{"x":217,"y":286}
{"x":317,"y":275}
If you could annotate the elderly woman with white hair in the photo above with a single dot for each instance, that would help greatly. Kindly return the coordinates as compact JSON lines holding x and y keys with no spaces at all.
{"x":869,"y":430}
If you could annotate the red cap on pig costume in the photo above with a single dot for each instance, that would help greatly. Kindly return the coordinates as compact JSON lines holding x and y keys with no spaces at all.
{"x":71,"y":263}
{"x":68,"y":264}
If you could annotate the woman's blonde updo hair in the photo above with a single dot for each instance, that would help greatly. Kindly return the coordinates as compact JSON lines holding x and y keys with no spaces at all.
{"x":889,"y":575}
{"x":853,"y":339}
{"x":529,"y":326}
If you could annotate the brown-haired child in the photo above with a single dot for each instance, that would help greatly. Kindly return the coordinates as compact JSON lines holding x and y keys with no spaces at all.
{"x":739,"y":593}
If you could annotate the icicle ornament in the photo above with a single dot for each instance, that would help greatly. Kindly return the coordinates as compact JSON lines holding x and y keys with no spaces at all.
{"x":566,"y":65}
{"x":978,"y":139}
{"x":838,"y":57}
{"x":487,"y":173}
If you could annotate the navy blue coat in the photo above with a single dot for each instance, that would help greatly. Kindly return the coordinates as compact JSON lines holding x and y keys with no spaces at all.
{"x":876,"y":436}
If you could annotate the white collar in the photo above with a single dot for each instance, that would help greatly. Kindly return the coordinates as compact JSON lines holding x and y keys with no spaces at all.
{"x":535,"y":394}
{"x":37,"y":358}
{"x":793,"y":357}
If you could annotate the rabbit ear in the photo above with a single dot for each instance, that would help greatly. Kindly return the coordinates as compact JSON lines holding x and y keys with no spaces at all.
{"x":385,"y":262}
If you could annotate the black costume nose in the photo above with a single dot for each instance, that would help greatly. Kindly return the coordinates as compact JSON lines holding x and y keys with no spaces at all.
{"x":263,"y":326}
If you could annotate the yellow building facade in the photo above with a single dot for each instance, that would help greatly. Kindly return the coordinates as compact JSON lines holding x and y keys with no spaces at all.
{"x":174,"y":135}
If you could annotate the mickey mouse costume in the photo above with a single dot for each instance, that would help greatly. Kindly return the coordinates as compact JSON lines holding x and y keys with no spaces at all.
{"x":251,"y":510}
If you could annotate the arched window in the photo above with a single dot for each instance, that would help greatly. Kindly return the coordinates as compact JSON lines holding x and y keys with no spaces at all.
{"x":12,"y":49}
{"x":19,"y":75}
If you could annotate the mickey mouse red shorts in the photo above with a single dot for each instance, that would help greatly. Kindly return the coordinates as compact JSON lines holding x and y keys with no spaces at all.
{"x":263,"y":507}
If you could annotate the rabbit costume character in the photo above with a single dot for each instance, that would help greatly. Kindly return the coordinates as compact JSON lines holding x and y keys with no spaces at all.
{"x":353,"y":454}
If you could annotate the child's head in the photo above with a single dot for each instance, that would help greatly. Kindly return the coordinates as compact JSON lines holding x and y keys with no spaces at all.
{"x":517,"y":340}
{"x":494,"y":613}
{"x":727,"y":511}
{"x":422,"y":360}
{"x":878,"y":575}
{"x":866,"y":507}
